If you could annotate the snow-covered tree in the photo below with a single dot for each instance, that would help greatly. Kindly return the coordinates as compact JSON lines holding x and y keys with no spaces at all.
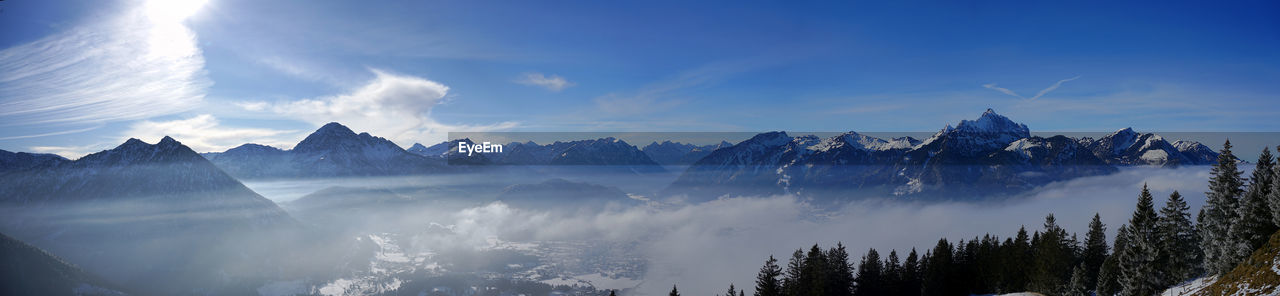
{"x":1138,"y":273}
{"x":1273,"y":198}
{"x":1219,"y":212}
{"x":1254,"y":224}
{"x":1179,"y":256}
{"x":1078,"y":285}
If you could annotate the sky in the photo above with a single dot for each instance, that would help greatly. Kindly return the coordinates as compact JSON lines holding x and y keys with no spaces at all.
{"x":79,"y":76}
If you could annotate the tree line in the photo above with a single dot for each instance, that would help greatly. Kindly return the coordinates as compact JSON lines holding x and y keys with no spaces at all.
{"x":1155,"y":250}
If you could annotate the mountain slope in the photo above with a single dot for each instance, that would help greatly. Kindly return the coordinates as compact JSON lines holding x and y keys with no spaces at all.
{"x":333,"y":150}
{"x":143,"y":215}
{"x":27,"y":270}
{"x":1257,"y":275}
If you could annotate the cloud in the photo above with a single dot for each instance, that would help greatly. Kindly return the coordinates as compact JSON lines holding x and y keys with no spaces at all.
{"x":394,"y":106}
{"x":705,"y":247}
{"x":252,"y":106}
{"x":656,"y":96}
{"x":552,"y":83}
{"x":128,"y":67}
{"x":71,"y":152}
{"x":1052,"y":87}
{"x":1002,"y":90}
{"x":203,"y":133}
{"x":1045,"y":91}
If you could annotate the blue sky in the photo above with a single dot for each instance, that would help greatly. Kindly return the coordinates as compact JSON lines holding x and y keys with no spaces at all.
{"x":80,"y":76}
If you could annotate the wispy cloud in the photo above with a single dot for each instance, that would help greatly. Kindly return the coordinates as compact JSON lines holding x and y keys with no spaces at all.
{"x":1052,"y":87}
{"x":71,"y":152}
{"x":1045,"y":91}
{"x":658,"y":96}
{"x":1002,"y":90}
{"x":552,"y":82}
{"x":391,"y":105}
{"x":204,"y":133}
{"x":133,"y":66}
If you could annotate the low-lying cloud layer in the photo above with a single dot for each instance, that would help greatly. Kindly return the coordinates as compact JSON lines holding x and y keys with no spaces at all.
{"x":705,"y":247}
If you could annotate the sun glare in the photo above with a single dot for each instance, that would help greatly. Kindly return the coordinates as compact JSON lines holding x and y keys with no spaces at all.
{"x":173,"y":10}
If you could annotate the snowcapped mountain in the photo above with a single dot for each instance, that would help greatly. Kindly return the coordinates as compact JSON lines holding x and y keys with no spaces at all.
{"x":1127,"y":147}
{"x":774,"y":162}
{"x":676,"y":153}
{"x":332,"y":150}
{"x":138,"y":213}
{"x":610,"y":152}
{"x":991,"y":155}
{"x":436,"y":150}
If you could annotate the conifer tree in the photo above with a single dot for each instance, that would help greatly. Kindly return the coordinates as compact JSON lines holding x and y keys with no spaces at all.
{"x":1138,"y":273}
{"x":892,"y":274}
{"x":731,"y":291}
{"x":1273,"y":198}
{"x":1254,"y":224}
{"x":1078,"y":285}
{"x":1017,"y":257}
{"x":1109,"y":274}
{"x":939,"y":268}
{"x":1178,"y":241}
{"x":840,"y":276}
{"x":1053,"y":259}
{"x":767,"y":281}
{"x":911,"y":275}
{"x":791,"y":284}
{"x":674,"y":291}
{"x":1095,"y":251}
{"x":813,"y":277}
{"x":870,"y":277}
{"x":1219,"y":212}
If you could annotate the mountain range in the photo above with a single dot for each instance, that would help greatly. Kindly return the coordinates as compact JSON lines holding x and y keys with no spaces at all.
{"x":676,"y":153}
{"x":991,"y":155}
{"x":138,"y":213}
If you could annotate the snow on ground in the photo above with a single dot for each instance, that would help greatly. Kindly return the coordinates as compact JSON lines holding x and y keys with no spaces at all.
{"x":596,"y":280}
{"x":1190,"y":287}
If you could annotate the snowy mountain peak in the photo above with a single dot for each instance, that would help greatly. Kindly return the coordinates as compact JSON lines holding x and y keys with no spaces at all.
{"x":770,"y":139}
{"x":132,"y":142}
{"x":993,"y":123}
{"x":168,"y":141}
{"x":335,"y":136}
{"x":334,"y":128}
